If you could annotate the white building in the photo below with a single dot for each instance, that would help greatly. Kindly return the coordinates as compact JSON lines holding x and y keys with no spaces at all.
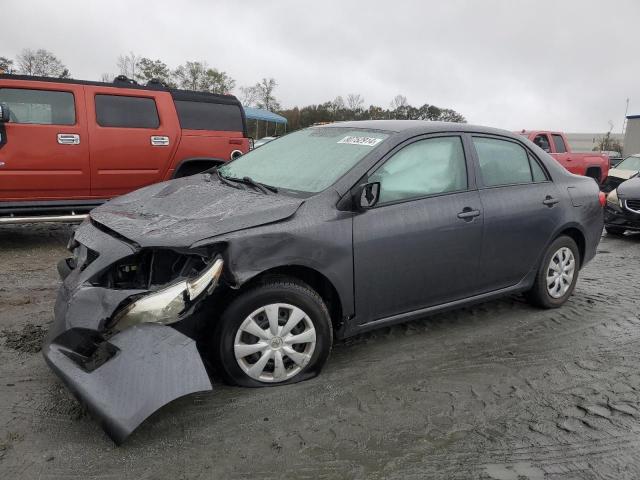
{"x":632,"y":136}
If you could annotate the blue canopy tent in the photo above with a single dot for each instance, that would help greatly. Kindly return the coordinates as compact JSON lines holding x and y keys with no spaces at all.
{"x":258,"y":115}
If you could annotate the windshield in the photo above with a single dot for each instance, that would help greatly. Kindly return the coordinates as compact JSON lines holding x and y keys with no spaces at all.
{"x":630,"y":163}
{"x":307,"y":161}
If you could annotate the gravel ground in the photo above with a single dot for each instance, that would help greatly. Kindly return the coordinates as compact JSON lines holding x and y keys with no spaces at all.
{"x":497,"y":391}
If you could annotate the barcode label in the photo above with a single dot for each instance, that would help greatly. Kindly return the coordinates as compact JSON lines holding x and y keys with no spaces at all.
{"x":366,"y":141}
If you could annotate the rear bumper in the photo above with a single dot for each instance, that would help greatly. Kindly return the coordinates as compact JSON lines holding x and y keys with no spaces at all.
{"x":615,"y":216}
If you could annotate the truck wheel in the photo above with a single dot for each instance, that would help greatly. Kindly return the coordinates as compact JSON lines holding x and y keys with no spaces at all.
{"x":557,"y":274}
{"x":278,"y":332}
{"x":617,"y":231}
{"x":595,"y":173}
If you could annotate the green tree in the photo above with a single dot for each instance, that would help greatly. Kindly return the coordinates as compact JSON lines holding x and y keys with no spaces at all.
{"x":198,"y":76}
{"x":6,"y":65}
{"x":42,"y":63}
{"x":264,"y":94}
{"x":148,"y":69}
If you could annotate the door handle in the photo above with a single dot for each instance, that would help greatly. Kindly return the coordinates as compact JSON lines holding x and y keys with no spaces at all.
{"x":68,"y":139}
{"x":468,"y":213}
{"x":159,"y":140}
{"x":549,"y":201}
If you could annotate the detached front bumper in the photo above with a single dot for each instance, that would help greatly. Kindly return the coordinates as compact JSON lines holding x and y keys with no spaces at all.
{"x":123,"y":378}
{"x":615,"y":216}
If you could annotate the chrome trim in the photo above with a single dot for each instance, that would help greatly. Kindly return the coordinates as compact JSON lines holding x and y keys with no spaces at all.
{"x":44,"y":219}
{"x":159,"y":140}
{"x":68,"y":139}
{"x":626,"y":204}
{"x":235,"y":154}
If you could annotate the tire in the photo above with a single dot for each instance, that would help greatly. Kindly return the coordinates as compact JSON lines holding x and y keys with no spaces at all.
{"x":617,"y":231}
{"x":286,"y":362}
{"x":545,"y":295}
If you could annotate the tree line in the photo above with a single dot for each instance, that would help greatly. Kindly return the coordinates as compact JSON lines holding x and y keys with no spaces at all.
{"x":199,"y":76}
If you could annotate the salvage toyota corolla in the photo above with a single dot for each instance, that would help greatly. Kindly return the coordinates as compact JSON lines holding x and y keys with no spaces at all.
{"x":253,"y":268}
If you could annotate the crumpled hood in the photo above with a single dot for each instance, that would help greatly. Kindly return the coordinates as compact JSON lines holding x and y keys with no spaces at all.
{"x":624,"y":174}
{"x":630,"y":188}
{"x":181,"y":212}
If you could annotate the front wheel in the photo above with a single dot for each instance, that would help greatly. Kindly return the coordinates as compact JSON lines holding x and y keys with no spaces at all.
{"x":278,"y":332}
{"x":557,"y":275}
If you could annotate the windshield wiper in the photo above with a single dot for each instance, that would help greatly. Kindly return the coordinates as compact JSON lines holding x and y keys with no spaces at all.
{"x":263,"y":187}
{"x":225,"y":180}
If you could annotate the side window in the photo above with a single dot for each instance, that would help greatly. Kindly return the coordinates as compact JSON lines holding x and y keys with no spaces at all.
{"x":209,"y":116}
{"x":559,"y":143}
{"x":426,"y":167}
{"x":127,"y":112}
{"x":537,"y":171}
{"x":43,"y":107}
{"x":502,"y":162}
{"x":543,"y":142}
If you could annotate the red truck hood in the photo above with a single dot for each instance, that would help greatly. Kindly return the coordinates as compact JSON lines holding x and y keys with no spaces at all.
{"x":180,"y":212}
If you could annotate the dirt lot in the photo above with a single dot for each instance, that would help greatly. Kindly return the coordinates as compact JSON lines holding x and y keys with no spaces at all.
{"x":499,"y":391}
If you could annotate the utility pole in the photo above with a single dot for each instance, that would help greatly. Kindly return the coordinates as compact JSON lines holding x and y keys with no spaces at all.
{"x":624,"y":122}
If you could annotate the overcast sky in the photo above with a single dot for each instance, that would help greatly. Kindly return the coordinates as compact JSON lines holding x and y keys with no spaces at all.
{"x":553,"y":64}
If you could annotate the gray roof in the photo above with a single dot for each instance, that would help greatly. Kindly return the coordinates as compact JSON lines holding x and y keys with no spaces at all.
{"x":418,"y":126}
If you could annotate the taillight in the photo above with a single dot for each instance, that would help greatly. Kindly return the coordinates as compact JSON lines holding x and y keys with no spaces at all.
{"x":603,"y":199}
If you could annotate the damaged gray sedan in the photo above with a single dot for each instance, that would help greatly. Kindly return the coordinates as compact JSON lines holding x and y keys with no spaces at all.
{"x":252,"y":269}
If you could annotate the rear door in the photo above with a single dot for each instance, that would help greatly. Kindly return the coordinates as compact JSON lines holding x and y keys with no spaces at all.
{"x":44,"y":152}
{"x":420,"y":246}
{"x":562,"y":155}
{"x":133,"y":136}
{"x":521,"y":208}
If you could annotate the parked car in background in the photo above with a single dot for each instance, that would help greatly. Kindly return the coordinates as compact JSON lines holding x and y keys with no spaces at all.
{"x":614,"y":157}
{"x":625,"y":170}
{"x":623,"y":208}
{"x":262,"y":141}
{"x":67,"y":146}
{"x":328,"y":232}
{"x":588,"y":164}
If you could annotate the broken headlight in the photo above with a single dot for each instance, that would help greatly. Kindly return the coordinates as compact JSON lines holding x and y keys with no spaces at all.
{"x":165,"y":306}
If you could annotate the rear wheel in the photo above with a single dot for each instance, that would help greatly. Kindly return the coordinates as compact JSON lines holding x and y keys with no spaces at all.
{"x":278,"y":332}
{"x":615,"y":230}
{"x":557,"y":275}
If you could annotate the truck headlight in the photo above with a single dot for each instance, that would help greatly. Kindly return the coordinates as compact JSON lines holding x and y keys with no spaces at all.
{"x":165,"y":306}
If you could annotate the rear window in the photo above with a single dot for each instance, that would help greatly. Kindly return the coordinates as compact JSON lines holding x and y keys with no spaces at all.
{"x":558,"y":141}
{"x":44,"y":107}
{"x":209,"y":116}
{"x":127,"y":112}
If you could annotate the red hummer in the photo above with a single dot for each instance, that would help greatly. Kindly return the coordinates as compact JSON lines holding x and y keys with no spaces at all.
{"x":68,"y":145}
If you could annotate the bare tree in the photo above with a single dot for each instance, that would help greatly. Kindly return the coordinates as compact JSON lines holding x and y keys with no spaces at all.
{"x":249,"y":96}
{"x":128,"y":65}
{"x":107,"y":77}
{"x":399,"y":101}
{"x":42,"y":63}
{"x":355,"y":102}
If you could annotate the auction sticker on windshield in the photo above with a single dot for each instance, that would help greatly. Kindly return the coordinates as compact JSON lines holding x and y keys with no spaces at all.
{"x":367,"y":141}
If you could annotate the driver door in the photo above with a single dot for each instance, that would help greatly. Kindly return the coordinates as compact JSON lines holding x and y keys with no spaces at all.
{"x":420,"y":245}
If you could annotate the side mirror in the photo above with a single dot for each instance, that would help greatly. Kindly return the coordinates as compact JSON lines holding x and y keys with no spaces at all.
{"x":368,"y":195}
{"x":4,"y":113}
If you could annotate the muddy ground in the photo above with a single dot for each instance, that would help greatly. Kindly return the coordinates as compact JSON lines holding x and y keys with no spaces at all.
{"x":497,"y":391}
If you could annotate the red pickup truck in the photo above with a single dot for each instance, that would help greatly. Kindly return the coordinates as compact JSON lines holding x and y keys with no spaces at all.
{"x":588,"y":164}
{"x":68,"y":145}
